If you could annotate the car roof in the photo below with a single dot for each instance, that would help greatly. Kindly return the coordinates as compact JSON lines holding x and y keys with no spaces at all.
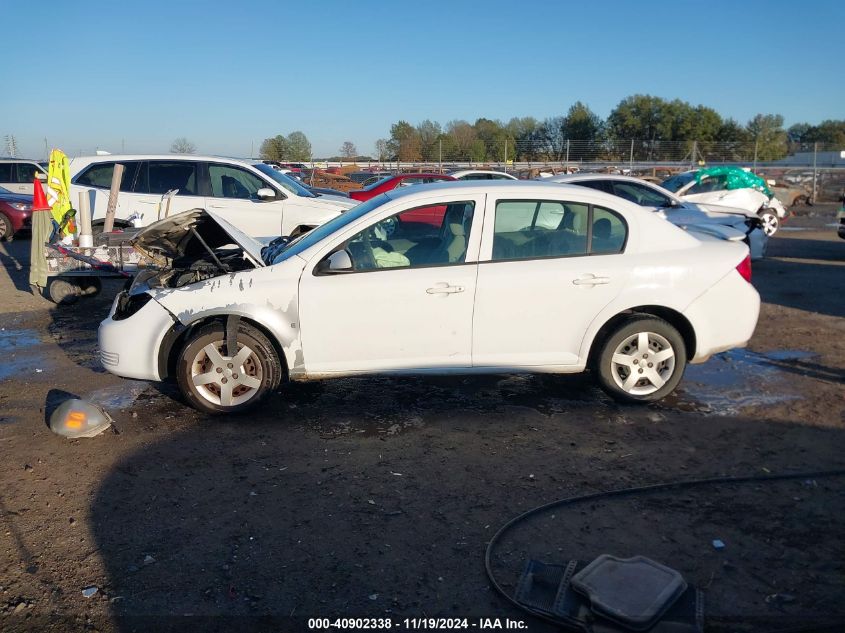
{"x":418,"y":174}
{"x":478,"y":171}
{"x":518,"y":187}
{"x":20,"y":160}
{"x":108,"y":158}
{"x":593,"y":176}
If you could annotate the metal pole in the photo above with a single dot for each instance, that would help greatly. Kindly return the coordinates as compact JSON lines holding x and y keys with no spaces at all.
{"x":506,"y":154}
{"x":631,"y":162}
{"x":692,"y":156}
{"x":440,"y":153}
{"x":117,"y":176}
{"x":815,"y":174}
{"x":567,"y":154}
{"x":755,"y":155}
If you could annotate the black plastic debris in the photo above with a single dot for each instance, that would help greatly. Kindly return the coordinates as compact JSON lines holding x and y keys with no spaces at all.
{"x":612,"y":595}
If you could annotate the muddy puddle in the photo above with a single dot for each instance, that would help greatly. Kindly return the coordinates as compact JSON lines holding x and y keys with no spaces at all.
{"x":17,"y":350}
{"x":120,"y":396}
{"x":736,"y":380}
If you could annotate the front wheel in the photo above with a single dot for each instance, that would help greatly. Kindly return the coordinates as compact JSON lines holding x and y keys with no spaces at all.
{"x":214,"y":382}
{"x":770,"y":221}
{"x":7,"y":231}
{"x":643,"y":360}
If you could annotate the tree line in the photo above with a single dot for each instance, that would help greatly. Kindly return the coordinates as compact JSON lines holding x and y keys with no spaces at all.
{"x":658,"y":127}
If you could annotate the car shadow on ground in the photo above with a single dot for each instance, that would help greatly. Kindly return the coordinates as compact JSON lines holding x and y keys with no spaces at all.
{"x":813,"y":272}
{"x":270,"y":516}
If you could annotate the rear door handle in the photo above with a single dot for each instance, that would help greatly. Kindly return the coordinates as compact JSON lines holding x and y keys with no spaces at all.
{"x":444,"y":289}
{"x":591,"y":280}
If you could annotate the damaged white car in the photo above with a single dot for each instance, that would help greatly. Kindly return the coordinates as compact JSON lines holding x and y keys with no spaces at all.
{"x":491,"y":277}
{"x":713,"y":190}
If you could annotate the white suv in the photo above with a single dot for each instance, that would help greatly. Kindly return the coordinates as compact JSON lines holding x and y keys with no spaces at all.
{"x":17,"y":174}
{"x":254,"y":197}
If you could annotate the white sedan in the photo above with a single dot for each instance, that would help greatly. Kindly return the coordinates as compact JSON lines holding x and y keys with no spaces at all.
{"x":433,"y":279}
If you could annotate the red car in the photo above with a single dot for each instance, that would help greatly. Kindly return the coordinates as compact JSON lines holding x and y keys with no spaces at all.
{"x":391,"y":182}
{"x":15,"y":213}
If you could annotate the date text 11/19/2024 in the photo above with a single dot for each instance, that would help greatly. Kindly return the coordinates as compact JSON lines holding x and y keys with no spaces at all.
{"x":417,"y":624}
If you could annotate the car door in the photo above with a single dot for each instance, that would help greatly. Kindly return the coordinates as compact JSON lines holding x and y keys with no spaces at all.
{"x":234,"y":196}
{"x":406,"y":303}
{"x":547,"y":268}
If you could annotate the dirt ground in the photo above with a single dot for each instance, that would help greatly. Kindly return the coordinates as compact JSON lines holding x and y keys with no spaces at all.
{"x":377,"y":497}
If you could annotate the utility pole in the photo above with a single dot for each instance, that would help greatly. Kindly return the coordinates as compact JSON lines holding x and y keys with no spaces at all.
{"x":755,"y":155}
{"x":631,"y":160}
{"x":693,"y":155}
{"x":506,"y":154}
{"x":815,"y":173}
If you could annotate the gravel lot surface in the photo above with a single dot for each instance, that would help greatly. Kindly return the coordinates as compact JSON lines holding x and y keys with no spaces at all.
{"x":376,"y":497}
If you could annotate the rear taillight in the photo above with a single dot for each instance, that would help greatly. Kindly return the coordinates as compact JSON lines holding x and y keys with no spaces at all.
{"x":744,"y":268}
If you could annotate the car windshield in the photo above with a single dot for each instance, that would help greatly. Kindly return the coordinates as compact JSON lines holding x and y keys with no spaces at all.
{"x":308,"y":240}
{"x":676,"y":182}
{"x":285,"y":181}
{"x":377,"y":183}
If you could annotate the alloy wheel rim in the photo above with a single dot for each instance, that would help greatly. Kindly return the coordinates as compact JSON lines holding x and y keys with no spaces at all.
{"x":226,"y":381}
{"x":770,"y":224}
{"x":3,"y":227}
{"x":642,"y":363}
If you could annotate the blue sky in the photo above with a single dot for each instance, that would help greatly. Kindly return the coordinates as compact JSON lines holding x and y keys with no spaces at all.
{"x":227,"y":75}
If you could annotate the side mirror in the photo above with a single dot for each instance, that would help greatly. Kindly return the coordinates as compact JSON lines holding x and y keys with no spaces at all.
{"x":337,"y":262}
{"x":265,"y":193}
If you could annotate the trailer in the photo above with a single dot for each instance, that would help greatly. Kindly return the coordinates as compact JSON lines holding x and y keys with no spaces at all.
{"x":75,"y":271}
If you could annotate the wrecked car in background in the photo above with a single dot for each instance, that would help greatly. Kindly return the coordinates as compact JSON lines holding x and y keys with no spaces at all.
{"x":721,"y":221}
{"x":731,"y":187}
{"x":516,"y":277}
{"x":253,"y":196}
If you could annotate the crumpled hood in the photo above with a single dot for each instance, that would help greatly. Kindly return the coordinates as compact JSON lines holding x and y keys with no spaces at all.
{"x":172,"y":237}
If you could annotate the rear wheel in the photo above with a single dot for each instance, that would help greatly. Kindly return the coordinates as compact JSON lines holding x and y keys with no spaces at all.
{"x":7,"y":231}
{"x":643,"y":360}
{"x":214,"y":382}
{"x":63,"y":291}
{"x":770,"y":221}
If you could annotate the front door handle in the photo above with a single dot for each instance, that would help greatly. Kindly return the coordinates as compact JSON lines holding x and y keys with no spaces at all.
{"x":591,"y":280}
{"x":444,"y":289}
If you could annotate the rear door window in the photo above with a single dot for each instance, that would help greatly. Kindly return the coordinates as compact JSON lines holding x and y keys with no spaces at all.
{"x":100,"y":174}
{"x":159,"y":177}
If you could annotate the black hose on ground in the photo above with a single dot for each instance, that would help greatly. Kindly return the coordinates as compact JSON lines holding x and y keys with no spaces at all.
{"x":625,"y":492}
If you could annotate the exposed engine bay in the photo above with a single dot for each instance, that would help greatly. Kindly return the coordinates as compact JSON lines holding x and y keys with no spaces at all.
{"x":191,"y":247}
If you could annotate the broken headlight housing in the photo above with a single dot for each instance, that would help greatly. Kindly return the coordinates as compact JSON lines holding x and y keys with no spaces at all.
{"x":127,"y":305}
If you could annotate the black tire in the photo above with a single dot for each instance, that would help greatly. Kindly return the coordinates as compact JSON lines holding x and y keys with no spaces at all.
{"x":89,"y":286}
{"x":62,"y":291}
{"x":613,"y":376}
{"x":7,"y":231}
{"x":261,"y":366}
